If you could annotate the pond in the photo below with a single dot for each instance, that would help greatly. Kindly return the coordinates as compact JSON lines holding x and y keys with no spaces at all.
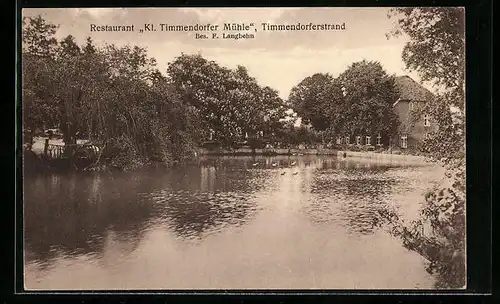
{"x":298,"y":222}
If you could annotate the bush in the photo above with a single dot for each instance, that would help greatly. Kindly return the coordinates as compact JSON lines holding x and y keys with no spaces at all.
{"x":256,"y":143}
{"x":354,"y":148}
{"x":211,"y":145}
{"x":121,"y":154}
{"x":367,"y":148}
{"x":443,"y":245}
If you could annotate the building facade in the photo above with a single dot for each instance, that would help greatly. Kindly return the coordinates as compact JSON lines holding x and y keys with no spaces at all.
{"x":415,"y":125}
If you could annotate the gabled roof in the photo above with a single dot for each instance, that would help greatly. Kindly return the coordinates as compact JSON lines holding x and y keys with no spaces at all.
{"x":409,"y":89}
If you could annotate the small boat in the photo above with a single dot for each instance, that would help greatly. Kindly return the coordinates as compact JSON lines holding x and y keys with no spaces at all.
{"x":295,"y":173}
{"x":274,"y":164}
{"x":293,"y":163}
{"x":283,"y":173}
{"x":255,"y":164}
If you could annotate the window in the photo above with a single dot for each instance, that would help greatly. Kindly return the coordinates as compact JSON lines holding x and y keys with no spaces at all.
{"x":379,"y":140}
{"x":427,"y":120}
{"x":368,"y":140}
{"x":347,"y":140}
{"x":404,"y":141}
{"x":358,"y":140}
{"x":411,"y":106}
{"x":339,"y":140}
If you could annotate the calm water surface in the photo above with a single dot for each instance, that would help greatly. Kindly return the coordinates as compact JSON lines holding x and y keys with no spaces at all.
{"x":224,"y":224}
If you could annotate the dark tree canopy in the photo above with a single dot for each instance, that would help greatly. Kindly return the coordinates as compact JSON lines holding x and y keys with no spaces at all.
{"x":369,"y":95}
{"x":359,"y":101}
{"x":436,"y":49}
{"x":38,"y":37}
{"x":312,"y":99}
{"x":232,"y":101}
{"x":112,"y":95}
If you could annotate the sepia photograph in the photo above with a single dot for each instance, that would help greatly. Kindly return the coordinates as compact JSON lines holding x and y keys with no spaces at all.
{"x":243,"y":148}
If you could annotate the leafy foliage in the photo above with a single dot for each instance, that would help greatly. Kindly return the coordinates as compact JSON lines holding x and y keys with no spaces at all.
{"x":436,"y":52}
{"x":232,"y":101}
{"x":437,"y":46}
{"x":316,"y":99}
{"x":369,"y":95}
{"x":107,"y":94}
{"x":116,"y":97}
{"x":359,"y":101}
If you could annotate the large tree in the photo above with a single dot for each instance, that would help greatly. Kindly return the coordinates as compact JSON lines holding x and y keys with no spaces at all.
{"x":231,"y":102}
{"x":369,"y":94}
{"x":38,"y":60}
{"x":38,"y":37}
{"x":436,"y":49}
{"x":203,"y":84}
{"x":111,"y":94}
{"x":436,"y":52}
{"x":316,"y":99}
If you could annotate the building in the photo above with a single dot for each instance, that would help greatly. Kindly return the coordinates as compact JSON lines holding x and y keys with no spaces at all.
{"x":415,"y":124}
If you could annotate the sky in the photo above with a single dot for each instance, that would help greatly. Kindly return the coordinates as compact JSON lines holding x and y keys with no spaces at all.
{"x":279,"y":59}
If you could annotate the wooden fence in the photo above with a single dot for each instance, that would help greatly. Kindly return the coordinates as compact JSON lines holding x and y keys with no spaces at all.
{"x":88,"y":151}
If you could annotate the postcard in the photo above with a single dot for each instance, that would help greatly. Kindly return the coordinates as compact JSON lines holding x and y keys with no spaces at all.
{"x":243,"y":148}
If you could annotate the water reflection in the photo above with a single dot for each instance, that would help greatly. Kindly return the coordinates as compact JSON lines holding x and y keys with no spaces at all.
{"x":346,"y":193}
{"x":73,"y":214}
{"x":120,"y":221}
{"x":76,"y":214}
{"x":190,"y":215}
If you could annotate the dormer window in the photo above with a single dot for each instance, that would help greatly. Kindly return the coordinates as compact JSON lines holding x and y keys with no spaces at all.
{"x":358,"y":140}
{"x":368,"y":140}
{"x":347,"y":140}
{"x":427,"y":121}
{"x":379,"y":140}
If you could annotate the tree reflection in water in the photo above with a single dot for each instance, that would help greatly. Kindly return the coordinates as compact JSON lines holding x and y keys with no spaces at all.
{"x":191,"y":215}
{"x":78,"y":214}
{"x":118,"y":223}
{"x":349,"y":193}
{"x":72,"y":214}
{"x":224,"y":198}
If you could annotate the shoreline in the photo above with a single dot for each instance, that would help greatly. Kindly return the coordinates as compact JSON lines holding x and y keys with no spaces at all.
{"x":403,"y":158}
{"x":267,"y":152}
{"x":36,"y":163}
{"x":301,"y":152}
